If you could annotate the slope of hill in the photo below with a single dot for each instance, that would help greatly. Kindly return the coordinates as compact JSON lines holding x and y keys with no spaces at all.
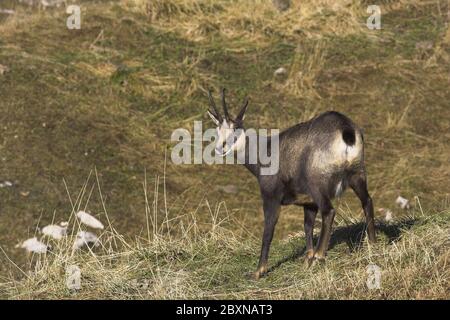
{"x":93,"y":109}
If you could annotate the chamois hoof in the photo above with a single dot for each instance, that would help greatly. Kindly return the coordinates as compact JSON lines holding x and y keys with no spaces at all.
{"x":261,"y":272}
{"x":318,"y":259}
{"x":309,"y":258}
{"x":313,"y":259}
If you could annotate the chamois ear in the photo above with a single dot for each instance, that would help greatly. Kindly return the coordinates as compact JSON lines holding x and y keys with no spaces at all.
{"x":241,"y":114}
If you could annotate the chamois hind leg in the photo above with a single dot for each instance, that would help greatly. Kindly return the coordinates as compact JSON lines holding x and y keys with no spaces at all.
{"x":359,"y":185}
{"x":327,"y":211}
{"x":271,"y":212}
{"x":310,"y":217}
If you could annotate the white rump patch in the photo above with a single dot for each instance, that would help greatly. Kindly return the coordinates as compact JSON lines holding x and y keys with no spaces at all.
{"x":344,"y":152}
{"x":339,"y":154}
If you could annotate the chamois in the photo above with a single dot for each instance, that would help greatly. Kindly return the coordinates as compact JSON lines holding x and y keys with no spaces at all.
{"x":320,"y":158}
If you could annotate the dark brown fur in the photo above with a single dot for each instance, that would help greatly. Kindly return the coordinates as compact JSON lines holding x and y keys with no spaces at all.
{"x":319,"y":158}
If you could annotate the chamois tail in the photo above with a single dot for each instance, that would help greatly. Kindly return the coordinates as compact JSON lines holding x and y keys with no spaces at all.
{"x":348,"y":135}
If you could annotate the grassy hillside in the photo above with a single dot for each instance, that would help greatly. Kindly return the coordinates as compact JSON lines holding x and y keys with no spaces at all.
{"x":93,"y":109}
{"x":412,"y":255}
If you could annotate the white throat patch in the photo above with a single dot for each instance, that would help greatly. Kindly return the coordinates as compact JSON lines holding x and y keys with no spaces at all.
{"x":229,"y":139}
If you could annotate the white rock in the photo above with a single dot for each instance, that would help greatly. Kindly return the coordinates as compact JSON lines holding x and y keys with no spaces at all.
{"x":85,"y":238}
{"x":34,"y":245}
{"x":282,"y":5}
{"x":7,"y":11}
{"x":402,"y":202}
{"x":3,"y":69}
{"x":89,"y":220}
{"x":388,"y":216}
{"x":280,"y":72}
{"x":6,"y":184}
{"x":230,"y":188}
{"x":51,"y":3}
{"x":29,"y":2}
{"x":55,"y":231}
{"x":424,"y":45}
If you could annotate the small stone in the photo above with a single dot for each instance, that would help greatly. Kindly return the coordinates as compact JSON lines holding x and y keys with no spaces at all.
{"x":402,"y":202}
{"x":51,"y":3}
{"x":7,"y":11}
{"x":280,"y":72}
{"x":89,"y":220}
{"x":388,"y":216}
{"x":34,"y":245}
{"x":85,"y":238}
{"x":54,"y":231}
{"x":232,"y":189}
{"x":3,"y":69}
{"x":6,"y":184}
{"x":424,"y":45}
{"x":282,"y":5}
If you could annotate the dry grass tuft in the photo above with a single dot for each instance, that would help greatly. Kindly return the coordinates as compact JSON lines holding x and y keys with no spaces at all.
{"x":256,"y":21}
{"x":412,"y":255}
{"x":304,"y":72}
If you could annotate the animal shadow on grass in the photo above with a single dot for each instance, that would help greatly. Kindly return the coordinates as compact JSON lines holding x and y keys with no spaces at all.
{"x":353,"y":235}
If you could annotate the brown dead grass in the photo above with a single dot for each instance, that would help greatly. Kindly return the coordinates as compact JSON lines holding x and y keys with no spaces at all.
{"x":110,"y":95}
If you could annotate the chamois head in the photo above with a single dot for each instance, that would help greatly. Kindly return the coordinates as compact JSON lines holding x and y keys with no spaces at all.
{"x":231,"y":133}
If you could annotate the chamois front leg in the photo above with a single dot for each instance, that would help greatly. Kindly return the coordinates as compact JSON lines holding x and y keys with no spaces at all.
{"x":310,"y":217}
{"x":271,"y":212}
